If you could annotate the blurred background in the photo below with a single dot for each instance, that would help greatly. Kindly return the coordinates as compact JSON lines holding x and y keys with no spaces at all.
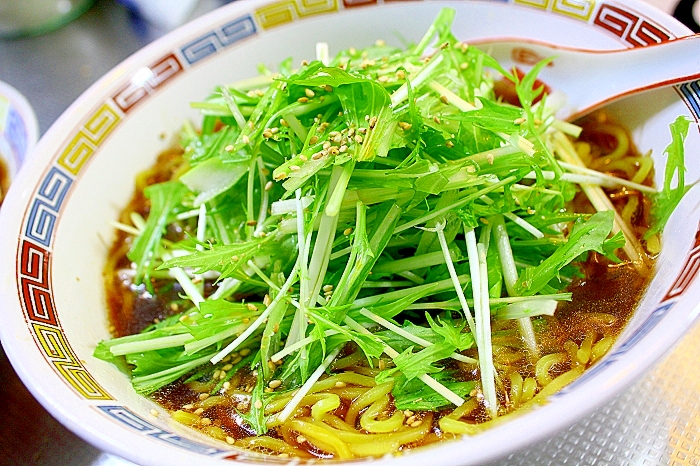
{"x":53,"y":50}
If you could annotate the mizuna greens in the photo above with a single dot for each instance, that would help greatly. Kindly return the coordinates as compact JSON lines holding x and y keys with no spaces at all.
{"x":383,"y":207}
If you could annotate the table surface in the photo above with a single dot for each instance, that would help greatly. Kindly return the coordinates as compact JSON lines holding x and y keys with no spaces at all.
{"x":657,"y":421}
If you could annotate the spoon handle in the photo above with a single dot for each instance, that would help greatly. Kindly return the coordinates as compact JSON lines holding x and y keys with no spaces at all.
{"x":591,"y":79}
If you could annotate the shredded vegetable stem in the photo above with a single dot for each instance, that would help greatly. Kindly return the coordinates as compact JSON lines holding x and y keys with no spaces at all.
{"x":483,"y":323}
{"x":510,"y":277}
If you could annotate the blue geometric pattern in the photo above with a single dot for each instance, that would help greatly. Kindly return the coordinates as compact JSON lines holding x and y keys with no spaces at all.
{"x":219,"y":38}
{"x":691,"y":95}
{"x":130,"y":419}
{"x":47,"y":205}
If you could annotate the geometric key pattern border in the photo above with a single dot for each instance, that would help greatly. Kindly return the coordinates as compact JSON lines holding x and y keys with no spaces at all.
{"x":43,"y":213}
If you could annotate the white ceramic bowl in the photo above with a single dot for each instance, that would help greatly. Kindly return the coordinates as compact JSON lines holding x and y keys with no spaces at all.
{"x":19,"y":132}
{"x":55,"y":227}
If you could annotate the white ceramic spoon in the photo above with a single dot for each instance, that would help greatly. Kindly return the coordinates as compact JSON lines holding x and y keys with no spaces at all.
{"x":591,"y":78}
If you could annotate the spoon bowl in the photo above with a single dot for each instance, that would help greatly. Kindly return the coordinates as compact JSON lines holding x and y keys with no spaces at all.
{"x":594,"y":78}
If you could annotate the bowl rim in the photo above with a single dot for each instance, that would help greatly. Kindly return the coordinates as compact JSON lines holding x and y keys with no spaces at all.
{"x":17,"y":202}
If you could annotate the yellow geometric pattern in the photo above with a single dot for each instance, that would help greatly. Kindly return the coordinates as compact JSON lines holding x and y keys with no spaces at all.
{"x":56,"y":348}
{"x":286,"y":11}
{"x":83,"y":144}
{"x":577,"y":9}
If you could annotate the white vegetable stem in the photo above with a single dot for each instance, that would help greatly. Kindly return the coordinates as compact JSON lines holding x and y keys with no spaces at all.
{"x":510,"y":277}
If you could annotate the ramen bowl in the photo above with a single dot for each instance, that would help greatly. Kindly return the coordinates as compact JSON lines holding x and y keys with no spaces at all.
{"x":55,"y":227}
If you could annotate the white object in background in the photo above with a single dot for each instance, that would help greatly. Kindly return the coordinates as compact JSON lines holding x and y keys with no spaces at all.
{"x":19,"y":132}
{"x":164,"y":14}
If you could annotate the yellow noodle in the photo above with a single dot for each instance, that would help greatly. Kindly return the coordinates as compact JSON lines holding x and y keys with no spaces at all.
{"x":278,"y":404}
{"x":271,"y":444}
{"x":625,"y":165}
{"x":347,"y":361}
{"x":200,"y":387}
{"x":349,"y":393}
{"x":544,"y":364}
{"x":601,"y":347}
{"x":453,"y":426}
{"x":329,"y":402}
{"x":584,"y":151}
{"x":584,"y":353}
{"x":623,"y":142}
{"x":653,"y":244}
{"x":467,"y":407}
{"x":215,"y":432}
{"x":630,"y":208}
{"x":211,"y":402}
{"x":369,"y":397}
{"x":603,"y":319}
{"x":335,"y":421}
{"x":529,"y":389}
{"x":645,"y":165}
{"x":323,"y":438}
{"x":555,"y":385}
{"x":185,"y":417}
{"x":571,"y":349}
{"x":371,"y":424}
{"x":505,"y":357}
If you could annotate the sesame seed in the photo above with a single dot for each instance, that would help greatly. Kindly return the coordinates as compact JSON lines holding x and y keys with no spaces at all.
{"x":154,"y":412}
{"x":405,"y":126}
{"x":463,"y":66}
{"x":328,"y":88}
{"x":238,"y":359}
{"x":267,"y":300}
{"x":519,"y":121}
{"x":283,"y":122}
{"x":203,"y":396}
{"x":294,"y":168}
{"x":443,"y":99}
{"x":303,"y":158}
{"x":347,"y":231}
{"x":327,"y":145}
{"x":206,"y":421}
{"x":490,"y":158}
{"x":358,"y":139}
{"x":216,"y":373}
{"x":274,"y":383}
{"x":317,"y":155}
{"x":340,"y":384}
{"x":251,"y":307}
{"x":327,"y":288}
{"x":334,"y":150}
{"x":449,"y":144}
{"x":230,"y":440}
{"x":267,"y":134}
{"x":228,"y":148}
{"x":383,"y":78}
{"x":251,"y":223}
{"x":313,"y":139}
{"x":258,"y":404}
{"x":268,"y":185}
{"x":188,"y":406}
{"x":380,"y":43}
{"x":227,"y":385}
{"x":373,"y":122}
{"x":301,"y":439}
{"x":362,"y":130}
{"x":303,"y":100}
{"x":280,"y":176}
{"x":416,"y":423}
{"x":444,"y":45}
{"x":309,"y":93}
{"x":304,"y":63}
{"x":400,"y":74}
{"x":436,"y":119}
{"x":245,"y":139}
{"x":276,"y":327}
{"x":342,"y":148}
{"x":245,"y":352}
{"x":199,"y":411}
{"x":246,"y":320}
